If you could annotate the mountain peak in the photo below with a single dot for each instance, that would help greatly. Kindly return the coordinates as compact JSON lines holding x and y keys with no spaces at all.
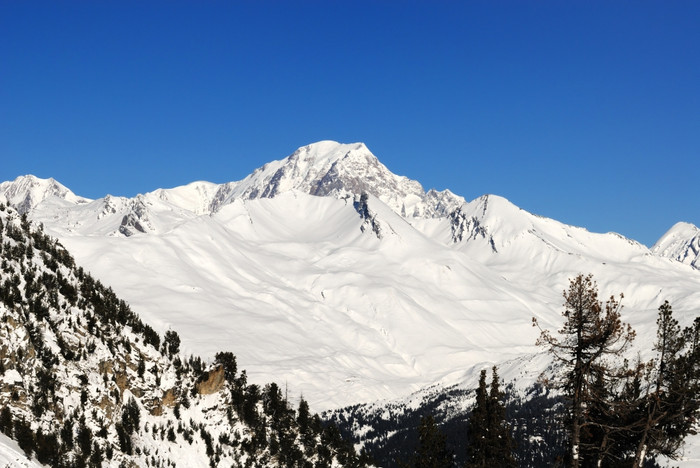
{"x":328,"y":151}
{"x":329,"y":168}
{"x":25,"y":192}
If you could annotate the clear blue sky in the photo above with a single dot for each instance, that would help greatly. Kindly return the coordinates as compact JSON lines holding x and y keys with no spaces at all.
{"x":583,"y":111}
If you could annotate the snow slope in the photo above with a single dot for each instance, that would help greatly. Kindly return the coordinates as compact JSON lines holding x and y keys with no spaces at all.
{"x":11,"y":456}
{"x":288,"y":270}
{"x":81,"y":367}
{"x":295,"y":288}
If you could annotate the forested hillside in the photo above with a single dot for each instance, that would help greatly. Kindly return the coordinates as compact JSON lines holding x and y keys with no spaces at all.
{"x":84,"y":382}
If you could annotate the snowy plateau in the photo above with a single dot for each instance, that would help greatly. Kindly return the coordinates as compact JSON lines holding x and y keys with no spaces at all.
{"x":346,"y":283}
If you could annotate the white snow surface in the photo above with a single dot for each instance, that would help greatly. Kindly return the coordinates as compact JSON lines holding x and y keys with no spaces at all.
{"x":11,"y":456}
{"x":281,"y":269}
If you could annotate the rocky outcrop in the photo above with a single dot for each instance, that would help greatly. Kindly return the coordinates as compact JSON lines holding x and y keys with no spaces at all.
{"x":213,"y":382}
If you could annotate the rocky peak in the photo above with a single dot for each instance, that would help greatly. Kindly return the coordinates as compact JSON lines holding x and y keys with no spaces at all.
{"x":332,"y":169}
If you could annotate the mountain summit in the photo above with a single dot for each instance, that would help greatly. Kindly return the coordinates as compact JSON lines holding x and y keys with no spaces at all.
{"x":329,"y":168}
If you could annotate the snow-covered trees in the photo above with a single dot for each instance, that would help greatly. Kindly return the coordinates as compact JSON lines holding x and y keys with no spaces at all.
{"x":84,"y":380}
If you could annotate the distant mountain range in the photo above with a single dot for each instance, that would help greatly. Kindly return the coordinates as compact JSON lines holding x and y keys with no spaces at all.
{"x":348,"y":282}
{"x":327,"y":273}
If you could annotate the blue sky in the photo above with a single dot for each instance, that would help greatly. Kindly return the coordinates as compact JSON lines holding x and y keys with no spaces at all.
{"x":583,"y":111}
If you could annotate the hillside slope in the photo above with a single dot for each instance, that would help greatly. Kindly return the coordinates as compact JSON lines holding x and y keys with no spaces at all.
{"x":85,"y":382}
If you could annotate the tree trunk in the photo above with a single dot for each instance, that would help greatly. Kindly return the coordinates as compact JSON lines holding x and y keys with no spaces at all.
{"x":575,"y":441}
{"x":639,"y":456}
{"x":601,"y":453}
{"x":641,"y":451}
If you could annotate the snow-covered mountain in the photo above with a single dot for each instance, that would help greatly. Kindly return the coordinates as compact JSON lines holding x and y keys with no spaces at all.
{"x":350,"y":283}
{"x":337,"y":170}
{"x":326,"y":168}
{"x":680,"y":243}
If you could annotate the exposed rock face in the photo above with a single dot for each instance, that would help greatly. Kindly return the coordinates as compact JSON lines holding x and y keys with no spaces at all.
{"x":168,"y":400}
{"x":370,"y":219}
{"x":213,"y":383}
{"x":468,"y":227}
{"x":107,"y":405}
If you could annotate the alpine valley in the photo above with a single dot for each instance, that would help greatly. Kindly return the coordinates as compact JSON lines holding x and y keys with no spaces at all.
{"x":352,"y":288}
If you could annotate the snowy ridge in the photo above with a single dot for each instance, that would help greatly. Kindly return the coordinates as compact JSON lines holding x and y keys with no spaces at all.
{"x":325,"y":168}
{"x":508,"y":228}
{"x":195,"y":197}
{"x":680,"y":243}
{"x":115,"y":216}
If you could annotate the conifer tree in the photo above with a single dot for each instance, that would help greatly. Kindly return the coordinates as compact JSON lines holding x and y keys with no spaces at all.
{"x":46,"y":447}
{"x":228,"y":361}
{"x":303,"y":416}
{"x":6,"y":420}
{"x":668,"y":407}
{"x":478,"y":427}
{"x":24,"y":436}
{"x":489,"y":442}
{"x":84,"y":438}
{"x":171,"y":342}
{"x":592,"y":334}
{"x":131,"y":416}
{"x":500,"y":444}
{"x":432,"y":451}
